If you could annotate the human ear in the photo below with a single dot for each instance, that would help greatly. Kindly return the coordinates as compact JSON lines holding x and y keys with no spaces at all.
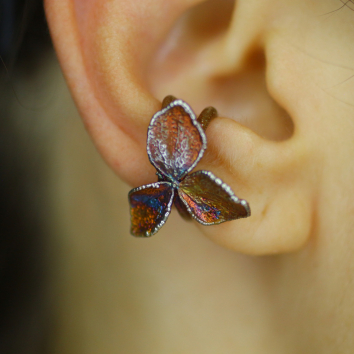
{"x":120,"y":58}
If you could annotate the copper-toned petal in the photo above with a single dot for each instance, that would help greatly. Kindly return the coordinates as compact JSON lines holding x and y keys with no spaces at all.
{"x":209,"y":200}
{"x":168,"y":100}
{"x":150,"y":205}
{"x":176,"y":141}
{"x":181,"y":208}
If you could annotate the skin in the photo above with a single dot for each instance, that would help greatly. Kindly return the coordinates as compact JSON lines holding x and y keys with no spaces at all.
{"x":279,"y":74}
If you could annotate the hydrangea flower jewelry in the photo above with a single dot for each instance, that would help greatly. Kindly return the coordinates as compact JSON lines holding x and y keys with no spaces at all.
{"x":176,"y":142}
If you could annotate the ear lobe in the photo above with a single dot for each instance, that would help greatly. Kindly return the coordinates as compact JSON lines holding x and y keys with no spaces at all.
{"x":108,"y":53}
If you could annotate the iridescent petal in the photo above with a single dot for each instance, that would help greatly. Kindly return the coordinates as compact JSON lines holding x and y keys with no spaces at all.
{"x":150,"y":205}
{"x":181,"y":208}
{"x":209,"y":200}
{"x":176,"y":141}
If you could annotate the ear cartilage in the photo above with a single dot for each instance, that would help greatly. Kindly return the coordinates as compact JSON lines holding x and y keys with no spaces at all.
{"x":176,"y":142}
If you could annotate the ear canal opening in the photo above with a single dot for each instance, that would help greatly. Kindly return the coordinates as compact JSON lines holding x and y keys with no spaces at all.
{"x":244,"y":97}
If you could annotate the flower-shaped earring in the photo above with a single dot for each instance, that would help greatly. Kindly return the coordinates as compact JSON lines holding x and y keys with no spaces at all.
{"x":175,"y":143}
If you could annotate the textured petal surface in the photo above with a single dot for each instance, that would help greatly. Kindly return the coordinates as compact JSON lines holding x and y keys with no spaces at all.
{"x":176,"y":141}
{"x":150,"y":206}
{"x":209,"y":200}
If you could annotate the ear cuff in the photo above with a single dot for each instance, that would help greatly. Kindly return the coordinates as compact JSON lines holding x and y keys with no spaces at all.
{"x":176,"y":142}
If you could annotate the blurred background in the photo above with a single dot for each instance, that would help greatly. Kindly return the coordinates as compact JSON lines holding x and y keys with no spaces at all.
{"x":65,"y":286}
{"x":25,"y":315}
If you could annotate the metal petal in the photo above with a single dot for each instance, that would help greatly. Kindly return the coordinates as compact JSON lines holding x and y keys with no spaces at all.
{"x":150,"y":207}
{"x":209,"y":200}
{"x":181,"y":208}
{"x":176,"y":141}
